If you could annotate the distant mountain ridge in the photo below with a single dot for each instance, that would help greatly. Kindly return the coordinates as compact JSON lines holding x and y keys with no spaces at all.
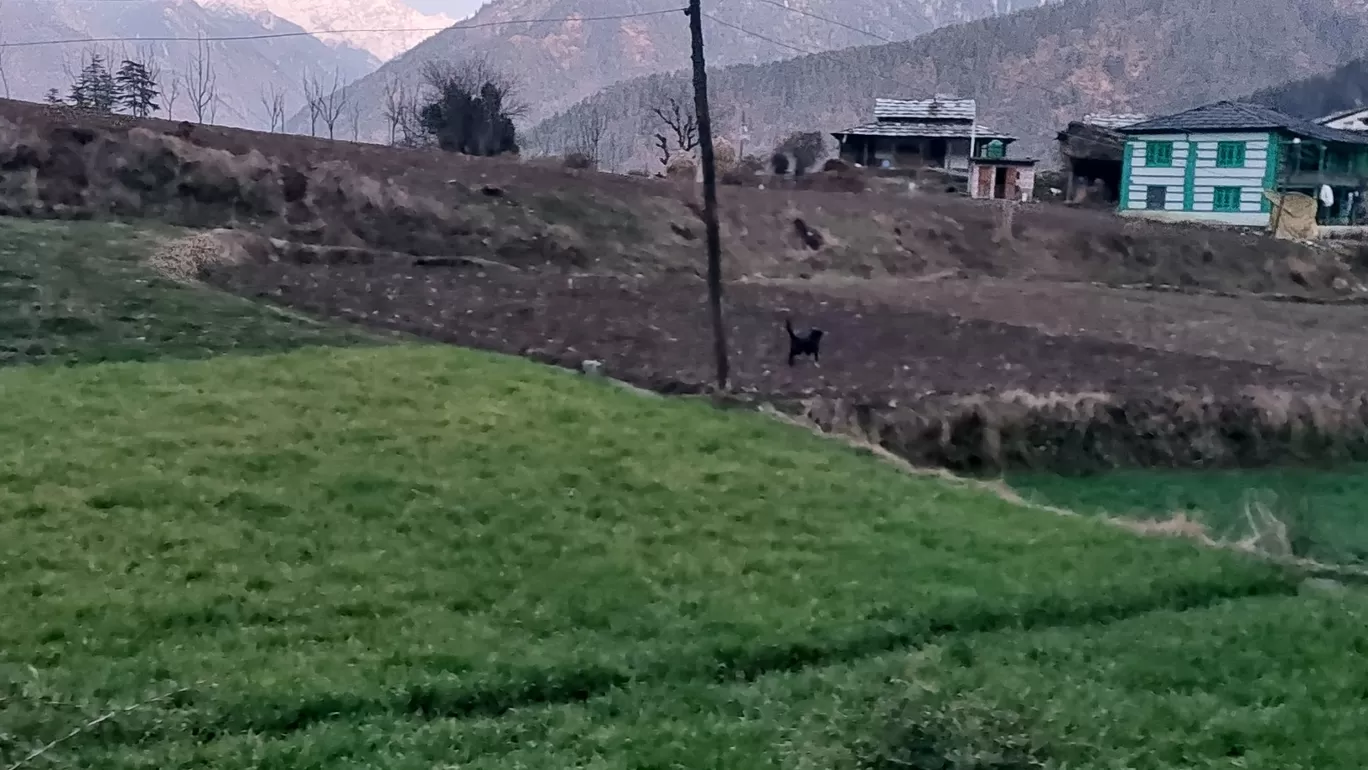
{"x":243,"y":69}
{"x":384,"y":28}
{"x":1031,"y":71}
{"x":559,"y":63}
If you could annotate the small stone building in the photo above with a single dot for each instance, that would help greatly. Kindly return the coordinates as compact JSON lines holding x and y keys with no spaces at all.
{"x":1010,"y":179}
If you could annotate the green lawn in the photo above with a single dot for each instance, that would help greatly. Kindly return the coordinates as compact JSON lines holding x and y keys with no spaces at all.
{"x":1326,"y":510}
{"x":349,"y":539}
{"x":78,"y":292}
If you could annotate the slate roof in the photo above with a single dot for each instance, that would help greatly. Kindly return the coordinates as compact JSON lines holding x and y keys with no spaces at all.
{"x":1323,"y":120}
{"x":931,"y":129}
{"x":1113,"y":121}
{"x":1239,"y":116}
{"x":939,"y":108}
{"x":1340,"y":114}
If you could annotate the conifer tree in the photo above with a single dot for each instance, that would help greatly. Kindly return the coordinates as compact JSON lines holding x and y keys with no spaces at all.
{"x":137,"y":90}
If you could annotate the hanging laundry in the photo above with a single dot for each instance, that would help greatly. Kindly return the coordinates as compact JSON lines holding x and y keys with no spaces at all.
{"x":1327,"y":196}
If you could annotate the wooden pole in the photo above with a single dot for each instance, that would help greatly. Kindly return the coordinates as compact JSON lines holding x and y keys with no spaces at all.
{"x":709,"y":160}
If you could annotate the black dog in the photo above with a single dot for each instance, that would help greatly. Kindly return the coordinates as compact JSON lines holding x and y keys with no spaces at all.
{"x":809,"y":344}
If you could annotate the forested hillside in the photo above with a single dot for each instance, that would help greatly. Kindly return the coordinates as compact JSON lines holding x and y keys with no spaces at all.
{"x":1312,"y":97}
{"x":1031,"y":71}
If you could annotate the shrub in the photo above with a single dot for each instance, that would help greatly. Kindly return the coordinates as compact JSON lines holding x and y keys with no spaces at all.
{"x":579,"y":161}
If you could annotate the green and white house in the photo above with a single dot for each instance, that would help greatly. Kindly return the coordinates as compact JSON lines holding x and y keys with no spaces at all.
{"x":1213,"y":164}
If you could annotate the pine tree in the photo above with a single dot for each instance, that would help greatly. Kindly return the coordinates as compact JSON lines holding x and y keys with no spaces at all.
{"x":136,"y":89}
{"x":80,"y":93}
{"x":53,"y":96}
{"x":94,"y":88}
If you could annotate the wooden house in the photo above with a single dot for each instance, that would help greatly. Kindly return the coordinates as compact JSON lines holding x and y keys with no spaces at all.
{"x":919,"y":133}
{"x":1214,"y":164}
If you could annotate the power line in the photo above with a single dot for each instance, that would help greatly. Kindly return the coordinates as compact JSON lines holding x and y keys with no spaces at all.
{"x":311,"y":33}
{"x":811,"y":15}
{"x":793,"y":48}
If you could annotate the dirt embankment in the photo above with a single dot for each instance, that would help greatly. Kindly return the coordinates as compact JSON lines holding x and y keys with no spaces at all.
{"x":1079,"y":433}
{"x":59,"y":161}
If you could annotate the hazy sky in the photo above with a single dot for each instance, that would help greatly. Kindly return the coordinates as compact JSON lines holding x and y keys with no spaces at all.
{"x":455,"y":8}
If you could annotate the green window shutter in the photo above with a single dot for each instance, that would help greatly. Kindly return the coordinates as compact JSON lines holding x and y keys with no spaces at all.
{"x":1158,"y":153}
{"x":1230,"y":154}
{"x":1226,"y":199}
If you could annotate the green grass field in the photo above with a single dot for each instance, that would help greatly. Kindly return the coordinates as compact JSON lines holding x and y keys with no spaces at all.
{"x":411,"y":556}
{"x":1326,"y":510}
{"x":80,"y":293}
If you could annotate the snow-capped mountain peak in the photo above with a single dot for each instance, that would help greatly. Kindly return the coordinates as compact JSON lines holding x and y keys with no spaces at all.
{"x":314,"y":15}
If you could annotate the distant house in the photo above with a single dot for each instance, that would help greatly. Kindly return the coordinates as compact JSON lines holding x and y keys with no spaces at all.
{"x":1090,"y":153}
{"x":1214,"y":164}
{"x":924,"y":133}
{"x":1355,"y":119}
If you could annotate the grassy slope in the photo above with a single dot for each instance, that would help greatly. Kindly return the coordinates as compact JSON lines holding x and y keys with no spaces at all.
{"x":79,"y":293}
{"x":1326,"y":509}
{"x":1226,"y":687}
{"x":419,"y":557}
{"x":337,"y":536}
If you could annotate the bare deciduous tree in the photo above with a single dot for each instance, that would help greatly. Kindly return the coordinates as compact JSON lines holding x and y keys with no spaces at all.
{"x":411,"y":133}
{"x":312,"y":101}
{"x":169,"y":96}
{"x":396,"y":108}
{"x":676,"y":128}
{"x":326,"y":103}
{"x":591,"y":123}
{"x":273,"y":100}
{"x":201,"y":84}
{"x":614,"y":154}
{"x":354,"y":117}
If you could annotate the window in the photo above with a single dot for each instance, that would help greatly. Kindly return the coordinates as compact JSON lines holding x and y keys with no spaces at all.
{"x":1226,"y":199}
{"x":1230,"y":154}
{"x":1156,"y":197}
{"x":1158,"y":153}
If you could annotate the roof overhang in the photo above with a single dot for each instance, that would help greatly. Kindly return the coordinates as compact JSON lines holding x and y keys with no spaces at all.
{"x":923,"y":131}
{"x":1004,"y":161}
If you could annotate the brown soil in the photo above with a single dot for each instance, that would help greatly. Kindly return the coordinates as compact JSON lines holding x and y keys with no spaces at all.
{"x":653,"y":332}
{"x":426,"y":201}
{"x":1329,"y":340}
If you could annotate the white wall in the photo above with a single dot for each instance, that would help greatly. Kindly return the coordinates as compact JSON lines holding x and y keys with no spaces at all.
{"x":1142,"y":176}
{"x":1203,"y":176}
{"x":1250,"y":179}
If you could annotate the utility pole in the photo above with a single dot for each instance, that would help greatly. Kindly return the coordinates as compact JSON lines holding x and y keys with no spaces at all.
{"x":705,"y":150}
